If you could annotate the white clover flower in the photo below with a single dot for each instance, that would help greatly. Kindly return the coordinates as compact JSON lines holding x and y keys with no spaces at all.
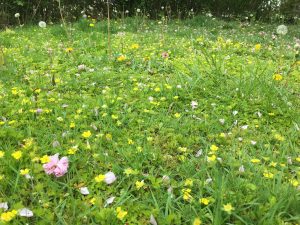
{"x":194,"y":104}
{"x":282,"y":29}
{"x":42,"y":24}
{"x":17,"y":15}
{"x":138,"y":10}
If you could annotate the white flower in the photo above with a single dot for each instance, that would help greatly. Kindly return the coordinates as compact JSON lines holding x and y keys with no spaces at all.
{"x":253,"y":142}
{"x":25,"y":212}
{"x":17,"y":15}
{"x":234,"y":112}
{"x":199,"y":153}
{"x":4,"y":206}
{"x":138,"y":10}
{"x":222,"y":121}
{"x":241,"y":169}
{"x":166,"y":179}
{"x":208,"y":180}
{"x":194,"y":104}
{"x":84,"y":190}
{"x":126,"y":11}
{"x":81,"y":67}
{"x":150,"y":99}
{"x":245,"y":127}
{"x":109,"y":201}
{"x":110,"y":177}
{"x":42,"y":24}
{"x":282,"y":29}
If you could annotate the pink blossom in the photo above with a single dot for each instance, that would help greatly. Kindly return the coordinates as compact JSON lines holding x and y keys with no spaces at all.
{"x":57,"y":166}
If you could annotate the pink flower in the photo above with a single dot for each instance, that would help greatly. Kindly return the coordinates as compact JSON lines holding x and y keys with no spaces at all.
{"x":56,"y":166}
{"x":165,"y":55}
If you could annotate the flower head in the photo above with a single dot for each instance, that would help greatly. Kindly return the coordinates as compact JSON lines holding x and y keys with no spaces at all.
{"x":17,"y":15}
{"x":282,"y":29}
{"x":228,"y":208}
{"x":56,"y":166}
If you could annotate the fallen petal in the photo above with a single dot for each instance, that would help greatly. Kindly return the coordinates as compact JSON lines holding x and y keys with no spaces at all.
{"x":25,"y":212}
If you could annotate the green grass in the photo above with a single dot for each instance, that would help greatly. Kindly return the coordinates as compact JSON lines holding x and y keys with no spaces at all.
{"x":140,"y":116}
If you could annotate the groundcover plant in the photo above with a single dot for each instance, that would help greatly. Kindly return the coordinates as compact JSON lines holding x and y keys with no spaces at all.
{"x":184,"y":122}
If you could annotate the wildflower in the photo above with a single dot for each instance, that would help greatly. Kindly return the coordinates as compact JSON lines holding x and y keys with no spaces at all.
{"x":211,"y":158}
{"x":45,"y":159}
{"x":186,"y":194}
{"x":25,"y":212}
{"x":17,"y":155}
{"x":188,"y":182}
{"x":57,"y":166}
{"x":135,"y":46}
{"x":138,"y":10}
{"x":282,"y":30}
{"x":228,"y":208}
{"x":24,"y":172}
{"x":194,"y":104}
{"x":255,"y":160}
{"x":177,"y":115}
{"x":294,"y":182}
{"x":277,"y":77}
{"x":214,"y":148}
{"x":2,"y":154}
{"x":42,"y":24}
{"x":86,"y":134}
{"x":257,"y":47}
{"x":81,"y":67}
{"x":109,"y":201}
{"x":279,"y":137}
{"x":17,"y":15}
{"x":72,"y":150}
{"x":121,"y":58}
{"x":241,"y":169}
{"x":197,"y":221}
{"x":69,"y":50}
{"x":121,"y":213}
{"x":92,"y":25}
{"x":99,"y":178}
{"x":8,"y":216}
{"x":204,"y":201}
{"x":139,"y":184}
{"x":268,"y":175}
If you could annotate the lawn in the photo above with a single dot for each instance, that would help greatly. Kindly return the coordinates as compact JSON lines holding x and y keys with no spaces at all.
{"x":181,"y":122}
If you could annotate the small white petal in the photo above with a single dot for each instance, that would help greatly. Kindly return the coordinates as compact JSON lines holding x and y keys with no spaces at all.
{"x":110,"y":177}
{"x":152,"y":220}
{"x":84,"y":191}
{"x":110,"y":200}
{"x":4,"y":205}
{"x":25,"y":212}
{"x":199,"y":153}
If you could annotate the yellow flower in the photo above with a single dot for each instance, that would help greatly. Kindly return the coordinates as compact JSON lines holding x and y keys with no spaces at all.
{"x":2,"y":154}
{"x":177,"y":115}
{"x":86,"y":134}
{"x":211,"y":158}
{"x":268,"y":175}
{"x":157,"y":89}
{"x":24,"y":172}
{"x":186,"y":194}
{"x":92,"y":25}
{"x":214,"y":148}
{"x":8,"y":216}
{"x":1,"y":177}
{"x":277,"y":77}
{"x":114,"y":117}
{"x":72,"y":150}
{"x":99,"y":178}
{"x":298,"y":159}
{"x":93,"y":201}
{"x":135,"y":46}
{"x":279,"y":137}
{"x":257,"y":47}
{"x":68,"y":50}
{"x":121,"y":213}
{"x":139,"y":184}
{"x":197,"y":221}
{"x":72,"y":125}
{"x":228,"y":208}
{"x":294,"y":182}
{"x":188,"y":182}
{"x":204,"y":201}
{"x":17,"y":155}
{"x":255,"y":160}
{"x":108,"y":137}
{"x":45,"y":159}
{"x":121,"y":58}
